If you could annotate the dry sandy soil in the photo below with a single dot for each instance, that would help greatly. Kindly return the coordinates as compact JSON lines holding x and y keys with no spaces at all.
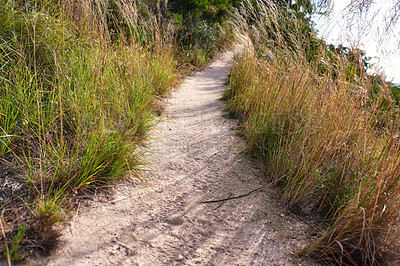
{"x":196,"y":156}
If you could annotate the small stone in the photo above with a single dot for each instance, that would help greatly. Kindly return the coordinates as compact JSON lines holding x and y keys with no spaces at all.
{"x":152,"y":245}
{"x":114,"y":241}
{"x":247,"y":247}
{"x":130,"y":213}
{"x":113,"y":252}
{"x":180,"y":258}
{"x":87,"y":256}
{"x":282,"y":215}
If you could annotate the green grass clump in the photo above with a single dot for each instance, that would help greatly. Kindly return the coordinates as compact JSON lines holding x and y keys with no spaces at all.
{"x":327,"y":134}
{"x":77,"y":96}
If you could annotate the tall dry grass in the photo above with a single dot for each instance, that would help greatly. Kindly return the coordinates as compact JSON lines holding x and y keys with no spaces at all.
{"x":326,"y":132}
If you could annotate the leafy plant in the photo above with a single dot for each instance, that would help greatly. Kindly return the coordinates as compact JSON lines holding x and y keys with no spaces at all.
{"x":13,"y":252}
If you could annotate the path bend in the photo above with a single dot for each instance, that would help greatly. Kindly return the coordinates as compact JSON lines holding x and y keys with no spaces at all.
{"x":196,"y":156}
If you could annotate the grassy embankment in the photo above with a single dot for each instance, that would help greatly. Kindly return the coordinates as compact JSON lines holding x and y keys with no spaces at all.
{"x":80,"y":82}
{"x":75,"y":101}
{"x":328,"y":134}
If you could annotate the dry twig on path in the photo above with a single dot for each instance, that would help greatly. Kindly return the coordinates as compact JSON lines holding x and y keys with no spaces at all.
{"x":235,"y":197}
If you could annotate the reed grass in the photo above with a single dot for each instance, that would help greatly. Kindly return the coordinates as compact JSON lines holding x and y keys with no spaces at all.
{"x":79,"y":85}
{"x":326,"y":133}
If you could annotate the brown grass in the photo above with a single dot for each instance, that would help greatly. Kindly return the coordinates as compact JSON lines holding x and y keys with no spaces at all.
{"x":327,"y":134}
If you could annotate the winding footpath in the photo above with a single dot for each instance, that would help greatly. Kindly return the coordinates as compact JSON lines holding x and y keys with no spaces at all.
{"x":195,"y":156}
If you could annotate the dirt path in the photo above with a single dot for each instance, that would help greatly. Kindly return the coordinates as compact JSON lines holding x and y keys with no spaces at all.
{"x":197,"y":157}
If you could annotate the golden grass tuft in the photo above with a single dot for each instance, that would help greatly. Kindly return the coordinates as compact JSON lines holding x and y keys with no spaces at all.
{"x":327,"y":134}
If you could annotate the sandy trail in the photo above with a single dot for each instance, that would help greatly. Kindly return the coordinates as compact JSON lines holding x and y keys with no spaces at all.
{"x":196,"y":156}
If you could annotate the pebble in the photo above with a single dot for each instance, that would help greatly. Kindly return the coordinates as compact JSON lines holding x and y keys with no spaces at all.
{"x":152,"y":245}
{"x":247,"y":247}
{"x":187,"y":257}
{"x":113,"y":252}
{"x":282,"y":215}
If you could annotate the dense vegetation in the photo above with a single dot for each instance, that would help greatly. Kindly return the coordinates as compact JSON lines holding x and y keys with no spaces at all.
{"x":203,"y":27}
{"x":80,"y":82}
{"x":326,"y":132}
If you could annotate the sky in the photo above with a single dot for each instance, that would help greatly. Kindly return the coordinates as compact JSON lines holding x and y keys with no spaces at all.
{"x":367,"y":31}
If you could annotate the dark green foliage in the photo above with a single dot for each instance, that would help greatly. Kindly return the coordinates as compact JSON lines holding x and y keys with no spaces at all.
{"x":210,"y":10}
{"x":203,"y":28}
{"x":396,"y":93}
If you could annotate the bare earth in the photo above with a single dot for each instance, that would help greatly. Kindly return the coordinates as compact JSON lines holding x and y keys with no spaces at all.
{"x":196,"y":156}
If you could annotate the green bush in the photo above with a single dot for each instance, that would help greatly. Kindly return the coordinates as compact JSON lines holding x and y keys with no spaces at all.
{"x":210,"y":10}
{"x":203,"y":27}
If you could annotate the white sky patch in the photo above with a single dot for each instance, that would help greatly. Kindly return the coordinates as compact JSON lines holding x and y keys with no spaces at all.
{"x":366,"y":30}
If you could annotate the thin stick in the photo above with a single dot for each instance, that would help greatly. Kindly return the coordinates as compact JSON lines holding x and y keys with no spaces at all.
{"x":222,"y":203}
{"x":236,"y":197}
